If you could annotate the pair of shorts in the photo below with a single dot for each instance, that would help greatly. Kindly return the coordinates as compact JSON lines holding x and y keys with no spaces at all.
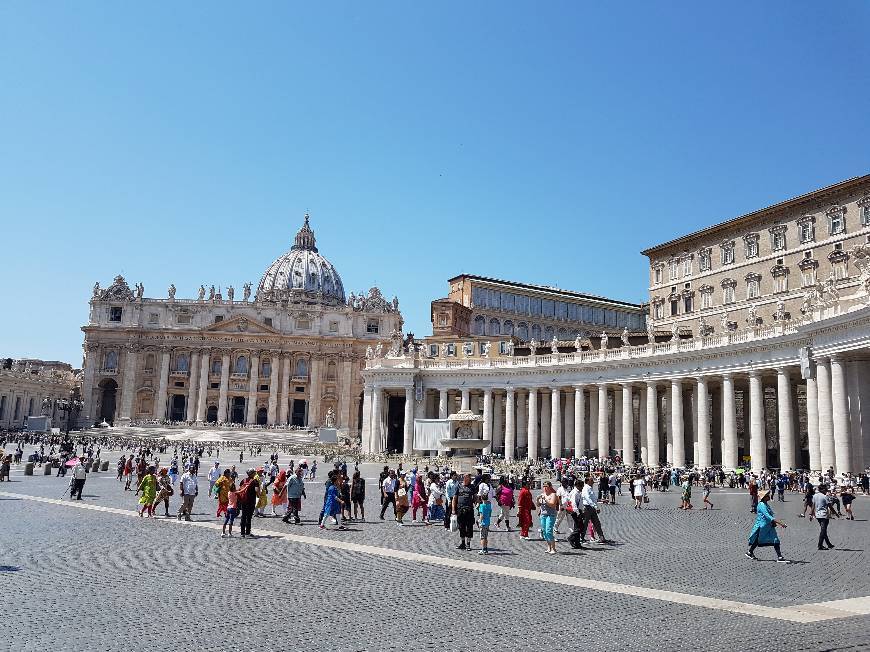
{"x":484,"y":532}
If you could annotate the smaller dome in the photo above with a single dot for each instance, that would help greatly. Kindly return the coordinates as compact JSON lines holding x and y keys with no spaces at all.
{"x":302,"y":274}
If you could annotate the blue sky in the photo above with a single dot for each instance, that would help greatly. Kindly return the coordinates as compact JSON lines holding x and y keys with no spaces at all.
{"x":539,"y":142}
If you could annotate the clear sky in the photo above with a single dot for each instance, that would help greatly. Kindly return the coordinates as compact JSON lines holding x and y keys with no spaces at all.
{"x":540,"y":142}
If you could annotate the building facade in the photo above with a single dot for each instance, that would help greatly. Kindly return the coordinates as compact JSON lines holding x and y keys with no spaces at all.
{"x":790,"y":392}
{"x":30,"y":387}
{"x":291,"y":355}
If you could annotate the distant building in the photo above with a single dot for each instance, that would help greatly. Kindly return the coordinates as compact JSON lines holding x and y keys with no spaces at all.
{"x":25,"y":384}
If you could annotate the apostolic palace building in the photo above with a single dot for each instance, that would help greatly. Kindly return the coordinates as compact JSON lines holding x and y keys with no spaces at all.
{"x":755,"y":352}
{"x":289,"y":355}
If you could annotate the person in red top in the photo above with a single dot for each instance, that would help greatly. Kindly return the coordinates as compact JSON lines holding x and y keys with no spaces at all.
{"x":128,"y":473}
{"x":421,"y":499}
{"x":525,"y":505}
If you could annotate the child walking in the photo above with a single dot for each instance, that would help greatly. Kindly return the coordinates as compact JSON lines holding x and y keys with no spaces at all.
{"x":707,"y":495}
{"x":232,"y":509}
{"x":484,"y":510}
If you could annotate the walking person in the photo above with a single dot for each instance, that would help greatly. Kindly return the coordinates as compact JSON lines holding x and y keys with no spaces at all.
{"x":764,"y":530}
{"x":590,"y":511}
{"x":847,"y":495}
{"x":808,"y":501}
{"x":213,"y":475}
{"x":79,"y":476}
{"x":505,"y":497}
{"x":463,"y":507}
{"x":420,"y":500}
{"x":484,"y":511}
{"x":189,"y":487}
{"x":232,"y":508}
{"x":548,"y":502}
{"x":388,"y":492}
{"x":753,"y":495}
{"x":249,"y":493}
{"x":279,"y":492}
{"x":707,"y":494}
{"x":358,"y":496}
{"x":222,"y":489}
{"x":450,"y":489}
{"x":295,"y":494}
{"x":333,"y":505}
{"x":402,"y":502}
{"x":525,"y":506}
{"x":164,"y":491}
{"x":638,"y":490}
{"x":148,"y":487}
{"x":822,"y":504}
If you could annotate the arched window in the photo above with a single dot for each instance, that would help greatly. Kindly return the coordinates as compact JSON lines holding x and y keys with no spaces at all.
{"x":494,"y":326}
{"x":536,"y":331}
{"x":301,"y":367}
{"x":181,"y":362}
{"x":330,"y":370}
{"x":523,"y":330}
{"x":111,"y":361}
{"x":479,"y":325}
{"x":507,"y":328}
{"x":241,"y":365}
{"x":216,"y":365}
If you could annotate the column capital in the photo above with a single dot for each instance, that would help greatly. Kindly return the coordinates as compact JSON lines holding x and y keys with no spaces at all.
{"x":727,"y":375}
{"x":509,"y":391}
{"x":651,"y":384}
{"x":783,"y":371}
{"x":580,"y":386}
{"x":754,"y":373}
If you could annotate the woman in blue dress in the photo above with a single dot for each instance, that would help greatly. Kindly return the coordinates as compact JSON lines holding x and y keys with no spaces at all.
{"x":764,"y":531}
{"x":332,"y":506}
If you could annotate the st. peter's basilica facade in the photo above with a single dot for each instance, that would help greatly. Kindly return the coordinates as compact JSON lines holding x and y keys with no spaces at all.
{"x":290,"y":355}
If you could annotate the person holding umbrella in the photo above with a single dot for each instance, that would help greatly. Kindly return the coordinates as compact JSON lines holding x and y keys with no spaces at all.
{"x":764,"y":531}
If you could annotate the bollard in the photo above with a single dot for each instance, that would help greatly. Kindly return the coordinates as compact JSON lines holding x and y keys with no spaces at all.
{"x":46,"y":469}
{"x":95,"y":467}
{"x":28,"y":468}
{"x":105,"y":466}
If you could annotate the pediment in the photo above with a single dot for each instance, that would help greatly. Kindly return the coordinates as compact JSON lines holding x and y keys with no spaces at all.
{"x":242,"y":324}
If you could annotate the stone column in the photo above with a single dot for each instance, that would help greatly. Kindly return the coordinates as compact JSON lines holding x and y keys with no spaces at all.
{"x":616,"y":441}
{"x":522,"y":420}
{"x":272,"y":414}
{"x":568,"y":429}
{"x":345,"y":399}
{"x":497,"y":421}
{"x":533,"y":424}
{"x":652,"y":424}
{"x":544,"y":436}
{"x":376,"y":442}
{"x":593,"y":417}
{"x":678,"y":432}
{"x":128,"y":389}
{"x":160,"y":399}
{"x":627,"y":425}
{"x":92,"y":360}
{"x":192,"y":386}
{"x":785,"y":420}
{"x":826,"y":413}
{"x":366,"y":426}
{"x":253,"y":379}
{"x":579,"y":421}
{"x":466,"y":400}
{"x":204,"y":370}
{"x":840,"y":404}
{"x":225,"y":385}
{"x":555,"y":422}
{"x":442,"y":403}
{"x":757,"y":441}
{"x":729,"y":423}
{"x":509,"y":426}
{"x":854,"y":381}
{"x":603,"y":435}
{"x":641,"y":427}
{"x":813,"y":425}
{"x":284,"y":393}
{"x":408,"y":433}
{"x":705,"y":446}
{"x":315,"y":391}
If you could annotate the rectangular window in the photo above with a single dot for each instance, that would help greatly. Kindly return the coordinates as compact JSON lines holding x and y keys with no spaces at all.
{"x":704,"y":260}
{"x":657,"y":275}
{"x":687,"y":304}
{"x":183,"y":318}
{"x":573,"y":312}
{"x":502,"y":348}
{"x":373,"y":326}
{"x":865,"y":215}
{"x":115,"y":313}
{"x":728,"y":254}
{"x":687,"y":266}
{"x":433,"y":350}
{"x":807,"y":231}
{"x":706,"y":300}
{"x":728,"y":294}
{"x":675,"y":270}
{"x":268,"y":321}
{"x":333,"y":327}
{"x":751,"y":248}
{"x":597,"y":316}
{"x":781,"y":284}
{"x":507,"y":301}
{"x":777,"y":241}
{"x":451,"y":349}
{"x":218,"y":319}
{"x":547,"y":308}
{"x":675,"y":308}
{"x":561,"y":310}
{"x":658,"y":311}
{"x":836,"y":223}
{"x":840,"y":270}
{"x":752,"y":290}
{"x":535,"y":306}
{"x":153,"y":318}
{"x":477,"y":298}
{"x":808,"y":277}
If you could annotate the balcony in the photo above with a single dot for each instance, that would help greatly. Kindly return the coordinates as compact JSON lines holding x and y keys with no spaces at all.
{"x":299,"y":379}
{"x":178,"y":374}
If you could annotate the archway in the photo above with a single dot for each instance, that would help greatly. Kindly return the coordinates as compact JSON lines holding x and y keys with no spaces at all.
{"x":237,"y":411}
{"x":176,"y":407}
{"x":108,"y":394}
{"x":262,"y":416}
{"x":211,"y":414}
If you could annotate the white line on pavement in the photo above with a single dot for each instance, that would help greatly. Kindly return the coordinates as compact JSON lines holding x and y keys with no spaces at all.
{"x":806,"y":613}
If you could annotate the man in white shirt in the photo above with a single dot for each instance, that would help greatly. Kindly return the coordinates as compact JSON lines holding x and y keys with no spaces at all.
{"x":562,"y":494}
{"x":213,"y":476}
{"x":189,"y":488}
{"x":590,"y":511}
{"x":388,"y":493}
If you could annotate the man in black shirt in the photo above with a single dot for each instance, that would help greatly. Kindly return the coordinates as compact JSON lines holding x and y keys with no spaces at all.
{"x":463,"y":507}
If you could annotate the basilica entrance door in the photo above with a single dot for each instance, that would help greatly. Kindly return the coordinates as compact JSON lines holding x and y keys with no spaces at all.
{"x":262,"y":416}
{"x":107,"y":403}
{"x":176,"y":407}
{"x":237,"y":411}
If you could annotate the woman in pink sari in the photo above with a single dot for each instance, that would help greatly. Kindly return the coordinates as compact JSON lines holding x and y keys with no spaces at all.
{"x":421,"y":499}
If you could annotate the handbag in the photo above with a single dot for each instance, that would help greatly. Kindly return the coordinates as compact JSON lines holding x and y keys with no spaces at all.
{"x":454,"y":523}
{"x":646,"y":499}
{"x":401,"y":493}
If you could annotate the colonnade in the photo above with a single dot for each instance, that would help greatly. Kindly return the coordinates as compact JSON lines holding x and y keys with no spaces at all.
{"x":689,"y":420}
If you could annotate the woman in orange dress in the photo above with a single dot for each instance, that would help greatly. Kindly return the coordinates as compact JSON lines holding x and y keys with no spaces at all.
{"x":279,"y":491}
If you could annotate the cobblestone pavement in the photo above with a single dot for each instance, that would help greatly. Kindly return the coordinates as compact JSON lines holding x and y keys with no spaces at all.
{"x":86,"y":579}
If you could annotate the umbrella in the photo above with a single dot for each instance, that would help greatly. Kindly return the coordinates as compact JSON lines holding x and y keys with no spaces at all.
{"x":72,"y":462}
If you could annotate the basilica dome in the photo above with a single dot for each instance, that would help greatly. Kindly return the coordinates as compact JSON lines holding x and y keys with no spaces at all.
{"x":302,"y":274}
